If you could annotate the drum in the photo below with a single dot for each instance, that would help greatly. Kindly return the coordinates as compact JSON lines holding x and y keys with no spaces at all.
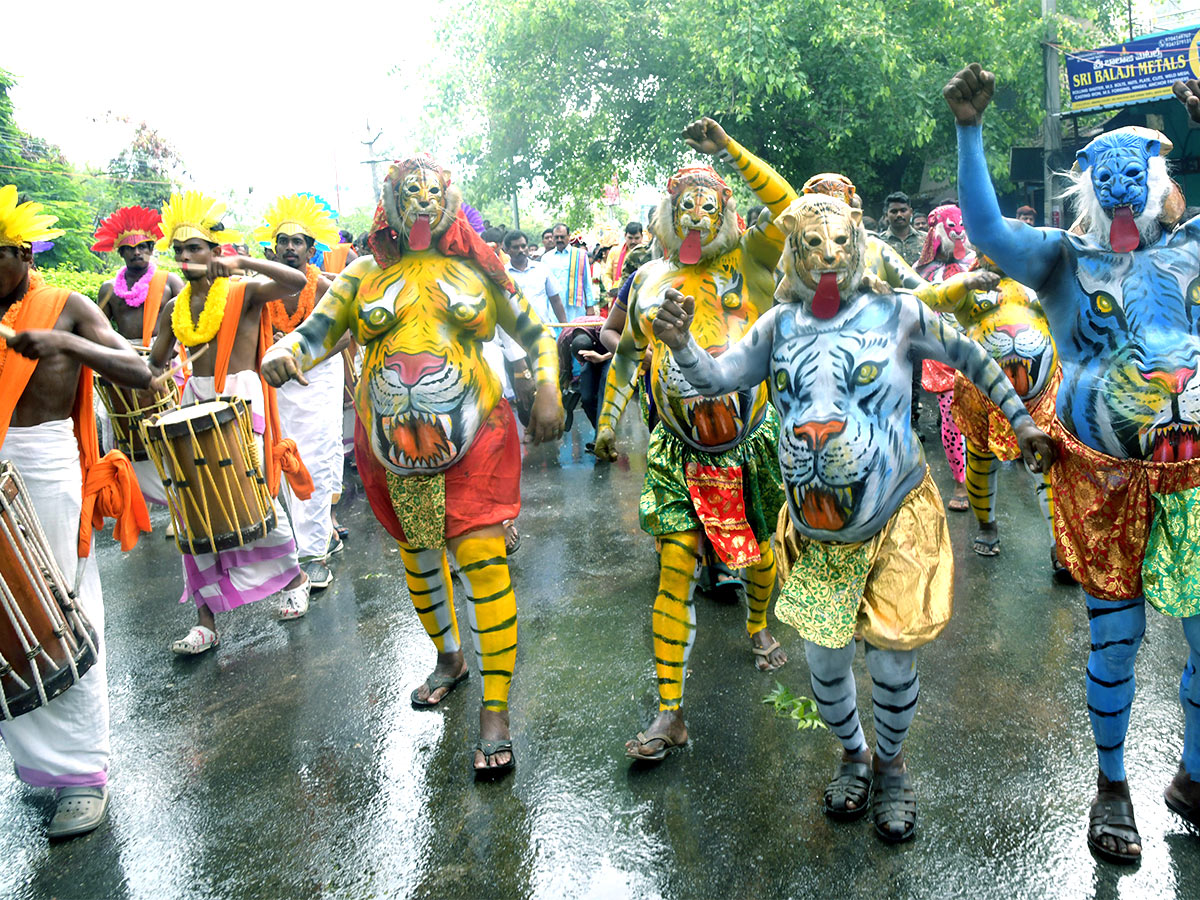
{"x":46,"y":642}
{"x":127,"y":408}
{"x":208,"y":458}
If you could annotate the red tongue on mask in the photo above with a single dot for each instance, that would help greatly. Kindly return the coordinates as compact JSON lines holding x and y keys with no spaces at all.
{"x":689,"y":253}
{"x":960,"y":249}
{"x":1123,"y":234}
{"x":827,"y":298}
{"x":419,"y":236}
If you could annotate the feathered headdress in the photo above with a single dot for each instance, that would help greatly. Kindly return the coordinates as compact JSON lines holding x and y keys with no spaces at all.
{"x":298,"y":214}
{"x":23,"y":223}
{"x":128,"y":227}
{"x":191,"y":214}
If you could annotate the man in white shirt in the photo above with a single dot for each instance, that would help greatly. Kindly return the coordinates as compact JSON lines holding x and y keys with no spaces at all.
{"x":572,"y":269}
{"x":534,"y":279}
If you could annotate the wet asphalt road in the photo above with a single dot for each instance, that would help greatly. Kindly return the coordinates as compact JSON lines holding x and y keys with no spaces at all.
{"x":289,"y":763}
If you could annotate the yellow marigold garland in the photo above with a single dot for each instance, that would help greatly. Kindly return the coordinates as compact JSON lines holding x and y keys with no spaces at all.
{"x":205,"y":329}
{"x":277,"y":311}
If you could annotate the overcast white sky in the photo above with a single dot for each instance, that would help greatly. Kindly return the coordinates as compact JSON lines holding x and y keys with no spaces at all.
{"x":272,"y":97}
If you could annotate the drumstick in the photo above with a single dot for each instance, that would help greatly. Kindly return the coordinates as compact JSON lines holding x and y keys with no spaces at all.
{"x":7,"y":333}
{"x":163,"y":377}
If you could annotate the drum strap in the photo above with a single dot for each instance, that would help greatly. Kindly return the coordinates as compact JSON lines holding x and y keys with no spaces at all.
{"x":283,"y":456}
{"x":152,"y":305}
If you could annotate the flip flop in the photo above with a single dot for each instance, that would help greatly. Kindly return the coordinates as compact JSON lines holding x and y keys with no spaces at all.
{"x":852,"y":782}
{"x":491,"y":748}
{"x":765,"y":653}
{"x":987,"y":544}
{"x":959,"y":504}
{"x":435,"y":681}
{"x":668,"y":745}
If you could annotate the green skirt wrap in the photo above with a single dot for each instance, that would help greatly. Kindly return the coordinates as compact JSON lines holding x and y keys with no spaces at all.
{"x":666,"y":505}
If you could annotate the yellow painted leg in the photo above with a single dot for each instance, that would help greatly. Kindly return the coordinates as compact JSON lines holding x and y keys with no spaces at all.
{"x":427,"y":573}
{"x":760,"y":581}
{"x":674,"y":614}
{"x":982,"y":471}
{"x":491,"y":612}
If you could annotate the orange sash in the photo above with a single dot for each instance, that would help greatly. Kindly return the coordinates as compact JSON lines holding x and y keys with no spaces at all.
{"x":282,"y":454}
{"x":152,"y":305}
{"x":110,"y":488}
{"x":335,"y":259}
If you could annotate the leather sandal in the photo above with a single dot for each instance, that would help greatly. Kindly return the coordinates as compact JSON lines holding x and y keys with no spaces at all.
{"x":1112,"y":815}
{"x":851,"y":783}
{"x":894,"y":806}
{"x":491,"y":748}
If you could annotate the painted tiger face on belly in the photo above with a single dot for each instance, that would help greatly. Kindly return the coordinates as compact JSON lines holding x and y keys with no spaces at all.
{"x":1011,"y":327}
{"x":1131,"y":389}
{"x":845,"y":442}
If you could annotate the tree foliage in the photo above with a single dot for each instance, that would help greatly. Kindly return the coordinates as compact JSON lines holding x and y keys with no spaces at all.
{"x":144,"y":173}
{"x":559,"y":96}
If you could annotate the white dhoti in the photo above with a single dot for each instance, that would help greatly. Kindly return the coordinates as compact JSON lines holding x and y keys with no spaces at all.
{"x":311,"y":415}
{"x":64,"y":743}
{"x":230,"y":578}
{"x":150,"y":482}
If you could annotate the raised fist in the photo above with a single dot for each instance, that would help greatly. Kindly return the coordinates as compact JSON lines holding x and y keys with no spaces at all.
{"x":706,"y":136}
{"x":969,"y":92}
{"x":1188,"y":93}
{"x":673,"y":322}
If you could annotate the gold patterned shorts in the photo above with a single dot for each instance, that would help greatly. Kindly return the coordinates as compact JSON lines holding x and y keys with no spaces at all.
{"x":896,"y":591}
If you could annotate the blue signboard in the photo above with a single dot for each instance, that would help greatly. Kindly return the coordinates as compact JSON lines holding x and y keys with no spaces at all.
{"x":1134,"y":72}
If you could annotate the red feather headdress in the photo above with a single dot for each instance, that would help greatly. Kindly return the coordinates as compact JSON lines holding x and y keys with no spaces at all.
{"x":128,"y":227}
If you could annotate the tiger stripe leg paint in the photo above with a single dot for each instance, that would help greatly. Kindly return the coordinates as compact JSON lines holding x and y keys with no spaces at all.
{"x":491,"y":613}
{"x":427,"y":573}
{"x":674,"y":616}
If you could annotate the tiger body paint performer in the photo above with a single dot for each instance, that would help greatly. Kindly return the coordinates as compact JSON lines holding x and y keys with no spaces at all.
{"x":1009,"y":323}
{"x":864,"y":547}
{"x":436,"y":443}
{"x":711,"y":469}
{"x":1121,"y":293}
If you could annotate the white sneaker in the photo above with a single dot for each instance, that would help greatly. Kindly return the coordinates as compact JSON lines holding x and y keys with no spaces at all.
{"x":295,"y":602}
{"x":196,"y":641}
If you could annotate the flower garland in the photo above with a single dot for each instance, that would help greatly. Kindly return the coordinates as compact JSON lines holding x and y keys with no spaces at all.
{"x":133,"y":296}
{"x":202,"y":331}
{"x":277,"y":311}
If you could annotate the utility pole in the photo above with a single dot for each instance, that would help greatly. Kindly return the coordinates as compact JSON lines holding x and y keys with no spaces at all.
{"x":1052,"y":124}
{"x":374,"y":161}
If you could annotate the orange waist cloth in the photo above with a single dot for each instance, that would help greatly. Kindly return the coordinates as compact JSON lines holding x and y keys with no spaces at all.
{"x":1103,"y":511}
{"x":984,"y":425}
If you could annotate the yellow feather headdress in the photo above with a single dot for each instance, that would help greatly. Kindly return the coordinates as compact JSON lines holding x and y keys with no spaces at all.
{"x":190,"y":215}
{"x":298,"y":214}
{"x":23,"y":223}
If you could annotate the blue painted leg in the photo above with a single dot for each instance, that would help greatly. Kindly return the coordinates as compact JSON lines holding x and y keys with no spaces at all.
{"x":1117,"y":628}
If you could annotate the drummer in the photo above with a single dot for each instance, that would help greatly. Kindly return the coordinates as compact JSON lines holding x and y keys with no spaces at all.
{"x":310,"y":411}
{"x":64,"y":744}
{"x":133,"y":298}
{"x":219,"y":322}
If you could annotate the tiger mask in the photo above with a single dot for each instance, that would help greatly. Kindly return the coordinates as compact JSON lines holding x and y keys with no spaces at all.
{"x":420,"y":201}
{"x":697,"y":218}
{"x":823,"y":255}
